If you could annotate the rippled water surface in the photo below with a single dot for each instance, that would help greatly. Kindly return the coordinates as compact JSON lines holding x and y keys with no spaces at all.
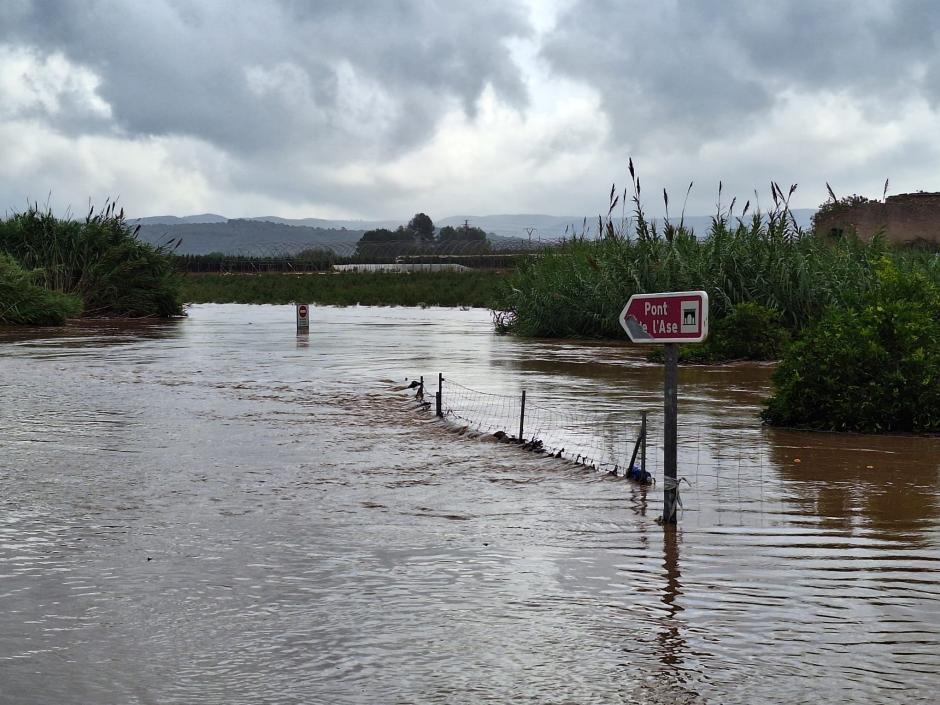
{"x":215,"y":510}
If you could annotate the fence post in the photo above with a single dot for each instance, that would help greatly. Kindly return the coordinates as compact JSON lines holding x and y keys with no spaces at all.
{"x":522,"y":416}
{"x":643,"y":437}
{"x":670,"y":425}
{"x":440,"y":389}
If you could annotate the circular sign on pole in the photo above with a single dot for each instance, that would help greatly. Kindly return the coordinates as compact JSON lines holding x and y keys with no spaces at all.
{"x":303,"y":317}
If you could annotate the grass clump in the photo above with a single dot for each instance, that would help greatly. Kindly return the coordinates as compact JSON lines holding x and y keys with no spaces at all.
{"x":478,"y":289}
{"x":872,"y":367}
{"x":24,"y":302}
{"x":99,"y":261}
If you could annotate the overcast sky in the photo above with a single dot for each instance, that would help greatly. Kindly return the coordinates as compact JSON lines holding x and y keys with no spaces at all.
{"x":355,"y":109}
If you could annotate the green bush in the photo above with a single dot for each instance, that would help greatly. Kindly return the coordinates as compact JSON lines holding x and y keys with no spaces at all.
{"x":749,"y":332}
{"x":24,"y":302}
{"x":873,"y":367}
{"x":99,"y":260}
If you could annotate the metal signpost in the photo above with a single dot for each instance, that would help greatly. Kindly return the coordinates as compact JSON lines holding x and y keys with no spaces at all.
{"x":668,"y":318}
{"x":303,"y":318}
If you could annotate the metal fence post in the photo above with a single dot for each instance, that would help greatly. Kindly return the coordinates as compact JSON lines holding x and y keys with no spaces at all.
{"x":522,"y":416}
{"x":440,"y":389}
{"x":643,"y":441}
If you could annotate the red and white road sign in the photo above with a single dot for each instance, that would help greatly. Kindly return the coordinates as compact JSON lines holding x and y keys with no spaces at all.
{"x":303,"y":316}
{"x":669,"y":317}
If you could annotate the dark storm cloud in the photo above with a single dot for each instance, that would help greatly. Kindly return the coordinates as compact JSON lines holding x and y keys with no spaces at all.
{"x":330,"y":80}
{"x":692,"y":70}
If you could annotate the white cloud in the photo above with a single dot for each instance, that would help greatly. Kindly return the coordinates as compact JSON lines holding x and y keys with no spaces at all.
{"x":48,"y":85}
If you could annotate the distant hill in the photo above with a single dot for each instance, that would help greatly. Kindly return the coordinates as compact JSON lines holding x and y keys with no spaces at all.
{"x":271,"y":235}
{"x":359,"y":225}
{"x":247,"y":237}
{"x":174,"y":220}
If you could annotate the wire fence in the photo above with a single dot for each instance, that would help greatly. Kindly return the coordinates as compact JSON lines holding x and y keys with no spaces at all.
{"x":610,"y":443}
{"x":731,"y":474}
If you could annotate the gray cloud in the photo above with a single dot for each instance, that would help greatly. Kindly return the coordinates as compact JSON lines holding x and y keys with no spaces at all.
{"x":379,"y":109}
{"x":329,"y":80}
{"x":692,"y":70}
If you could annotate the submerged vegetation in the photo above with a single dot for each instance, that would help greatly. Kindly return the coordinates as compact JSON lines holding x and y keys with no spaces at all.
{"x":55,"y":268}
{"x":473,"y":288}
{"x":863,"y":315}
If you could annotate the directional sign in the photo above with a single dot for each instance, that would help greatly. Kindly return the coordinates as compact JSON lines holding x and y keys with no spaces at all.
{"x":670,"y":317}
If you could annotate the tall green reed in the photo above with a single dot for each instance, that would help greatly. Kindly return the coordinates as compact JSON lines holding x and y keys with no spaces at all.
{"x":99,"y":260}
{"x":754,"y":256}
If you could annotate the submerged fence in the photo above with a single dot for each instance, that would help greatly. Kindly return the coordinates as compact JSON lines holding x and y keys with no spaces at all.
{"x":616,"y":446}
{"x":732,"y":471}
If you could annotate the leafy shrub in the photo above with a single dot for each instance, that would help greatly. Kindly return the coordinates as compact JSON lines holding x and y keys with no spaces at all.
{"x":874,"y":367}
{"x":24,"y":302}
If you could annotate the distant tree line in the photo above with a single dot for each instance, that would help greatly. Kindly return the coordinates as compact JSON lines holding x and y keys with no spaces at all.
{"x":322,"y":260}
{"x":419,"y":237}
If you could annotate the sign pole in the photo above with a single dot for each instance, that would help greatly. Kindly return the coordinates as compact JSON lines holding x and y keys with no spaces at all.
{"x":668,"y":318}
{"x":670,"y":433}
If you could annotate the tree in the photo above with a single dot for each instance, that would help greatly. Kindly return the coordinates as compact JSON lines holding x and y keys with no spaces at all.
{"x":422,"y":226}
{"x":464,"y":234}
{"x":383,"y":242}
{"x":462,"y":240}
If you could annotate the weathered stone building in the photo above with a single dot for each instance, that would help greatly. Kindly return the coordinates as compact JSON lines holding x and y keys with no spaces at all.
{"x":904,"y":219}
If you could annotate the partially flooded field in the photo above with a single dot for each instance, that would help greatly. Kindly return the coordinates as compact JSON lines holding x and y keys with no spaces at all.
{"x":215,"y":510}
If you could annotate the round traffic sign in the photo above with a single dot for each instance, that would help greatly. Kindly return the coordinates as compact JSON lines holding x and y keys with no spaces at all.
{"x":302,"y":310}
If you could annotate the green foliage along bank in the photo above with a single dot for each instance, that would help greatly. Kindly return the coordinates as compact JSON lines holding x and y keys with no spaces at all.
{"x":98,"y":262}
{"x":871,"y":367}
{"x":758,"y":259}
{"x":579,"y":289}
{"x":24,"y":302}
{"x":478,"y":289}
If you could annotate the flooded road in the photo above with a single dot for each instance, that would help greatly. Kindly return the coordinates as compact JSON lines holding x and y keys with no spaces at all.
{"x":214,"y":510}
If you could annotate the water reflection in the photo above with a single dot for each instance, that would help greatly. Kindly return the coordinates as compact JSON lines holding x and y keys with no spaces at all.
{"x":885,"y":485}
{"x":671,"y":643}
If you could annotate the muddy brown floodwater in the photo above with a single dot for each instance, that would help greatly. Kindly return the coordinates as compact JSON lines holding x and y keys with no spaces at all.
{"x":214,"y":510}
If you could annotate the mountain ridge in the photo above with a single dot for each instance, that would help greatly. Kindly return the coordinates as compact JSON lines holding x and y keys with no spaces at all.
{"x":274,"y":236}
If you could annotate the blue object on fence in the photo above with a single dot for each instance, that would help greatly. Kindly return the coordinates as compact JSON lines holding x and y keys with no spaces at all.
{"x":639,"y":475}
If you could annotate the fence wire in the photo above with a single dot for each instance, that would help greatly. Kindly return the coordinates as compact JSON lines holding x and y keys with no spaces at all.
{"x":602,"y":441}
{"x":730,"y":474}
